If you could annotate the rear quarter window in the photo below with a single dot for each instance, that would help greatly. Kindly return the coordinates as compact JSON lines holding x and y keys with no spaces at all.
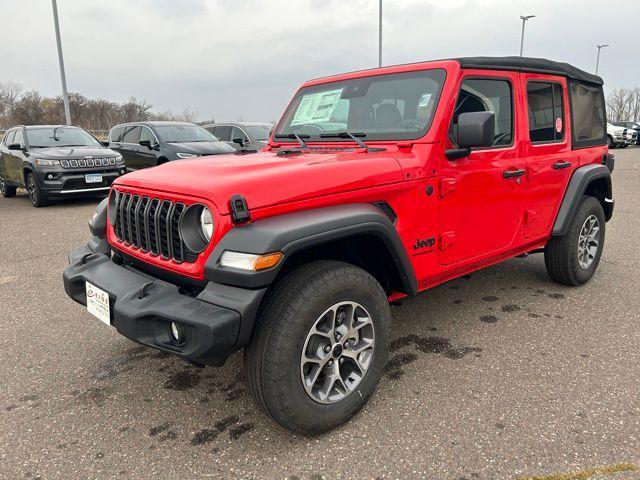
{"x":588,"y":116}
{"x":116,"y":134}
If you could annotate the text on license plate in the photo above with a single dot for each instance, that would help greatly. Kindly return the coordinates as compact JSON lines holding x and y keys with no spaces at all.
{"x":93,"y":178}
{"x":98,"y":303}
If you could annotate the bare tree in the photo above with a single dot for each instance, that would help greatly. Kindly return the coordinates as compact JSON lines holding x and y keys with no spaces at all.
{"x":623,"y":104}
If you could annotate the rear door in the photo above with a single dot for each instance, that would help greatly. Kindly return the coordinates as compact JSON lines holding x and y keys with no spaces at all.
{"x":5,"y":163}
{"x":16,"y":159}
{"x":482,"y":195}
{"x":550,"y":159}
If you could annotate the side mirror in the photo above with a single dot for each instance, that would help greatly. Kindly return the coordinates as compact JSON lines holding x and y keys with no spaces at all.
{"x":239,"y":141}
{"x":475,"y":129}
{"x":145,"y":143}
{"x":14,"y":146}
{"x":105,"y":143}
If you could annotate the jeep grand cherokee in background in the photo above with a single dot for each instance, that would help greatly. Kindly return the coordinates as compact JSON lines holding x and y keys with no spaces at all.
{"x":375,"y":185}
{"x":55,"y":161}
{"x":147,"y":144}
{"x":242,"y":135}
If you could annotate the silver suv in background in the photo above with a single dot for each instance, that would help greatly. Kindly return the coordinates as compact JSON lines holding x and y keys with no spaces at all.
{"x":631,"y":127}
{"x":617,"y":136}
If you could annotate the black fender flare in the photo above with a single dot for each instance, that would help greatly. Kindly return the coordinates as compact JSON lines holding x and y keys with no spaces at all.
{"x":577,"y":187}
{"x":292,"y":232}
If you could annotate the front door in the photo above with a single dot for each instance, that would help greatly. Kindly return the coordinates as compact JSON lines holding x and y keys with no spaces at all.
{"x":130,"y":146}
{"x":550,"y":159}
{"x":16,"y":159}
{"x":482,"y":195}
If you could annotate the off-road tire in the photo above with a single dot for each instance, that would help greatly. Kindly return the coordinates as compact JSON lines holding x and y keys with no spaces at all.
{"x":36,"y":195}
{"x":7,"y":191}
{"x":273,"y":357}
{"x":561,"y":252}
{"x":610,"y":143}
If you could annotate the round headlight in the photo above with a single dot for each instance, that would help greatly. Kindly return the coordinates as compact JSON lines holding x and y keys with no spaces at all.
{"x":206,"y":223}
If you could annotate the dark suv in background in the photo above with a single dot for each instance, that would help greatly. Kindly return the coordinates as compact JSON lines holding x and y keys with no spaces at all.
{"x":242,"y":135}
{"x":55,"y":161}
{"x":147,"y":144}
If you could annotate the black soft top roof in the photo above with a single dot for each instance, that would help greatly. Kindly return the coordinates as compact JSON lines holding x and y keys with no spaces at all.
{"x":529,"y":64}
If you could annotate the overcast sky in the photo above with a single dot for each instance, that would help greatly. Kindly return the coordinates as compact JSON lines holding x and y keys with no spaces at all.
{"x":227,"y":59}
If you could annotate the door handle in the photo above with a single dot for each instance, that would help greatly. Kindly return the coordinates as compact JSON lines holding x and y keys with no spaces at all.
{"x":514,"y":173}
{"x":560,"y":165}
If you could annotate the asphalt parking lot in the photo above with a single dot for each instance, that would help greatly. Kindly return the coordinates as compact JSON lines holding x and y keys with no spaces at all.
{"x":501,"y":374}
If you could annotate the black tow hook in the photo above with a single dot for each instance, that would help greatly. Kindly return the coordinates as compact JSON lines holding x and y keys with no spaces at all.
{"x":144,"y":291}
{"x":85,"y":257}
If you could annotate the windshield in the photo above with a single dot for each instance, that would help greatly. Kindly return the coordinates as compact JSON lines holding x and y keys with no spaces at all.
{"x":60,"y":137}
{"x":184,"y":133}
{"x":384,"y":107}
{"x":259,"y":132}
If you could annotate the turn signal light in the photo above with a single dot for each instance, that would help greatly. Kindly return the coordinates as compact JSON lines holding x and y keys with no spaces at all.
{"x":267,"y":261}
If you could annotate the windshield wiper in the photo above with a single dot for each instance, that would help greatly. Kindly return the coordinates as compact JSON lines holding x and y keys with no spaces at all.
{"x":295,"y":136}
{"x":354,"y":137}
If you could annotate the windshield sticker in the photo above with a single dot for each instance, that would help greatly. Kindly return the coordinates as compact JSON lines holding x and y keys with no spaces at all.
{"x":317,"y":107}
{"x":424,"y":100}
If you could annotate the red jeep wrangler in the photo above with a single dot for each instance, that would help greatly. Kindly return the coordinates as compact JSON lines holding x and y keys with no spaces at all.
{"x":375,"y":185}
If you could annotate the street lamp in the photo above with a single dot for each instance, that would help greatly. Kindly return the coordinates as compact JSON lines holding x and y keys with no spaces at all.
{"x":524,"y":19}
{"x":63,"y":79}
{"x":380,"y":33}
{"x":600,"y":47}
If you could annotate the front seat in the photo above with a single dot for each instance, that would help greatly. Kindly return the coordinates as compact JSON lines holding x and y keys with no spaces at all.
{"x":387,"y":116}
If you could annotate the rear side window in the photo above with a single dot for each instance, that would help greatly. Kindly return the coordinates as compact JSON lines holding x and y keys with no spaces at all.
{"x":487,"y":95}
{"x":588,"y":116}
{"x":546,"y":112}
{"x":223,"y":132}
{"x":131,"y":135}
{"x":116,"y":134}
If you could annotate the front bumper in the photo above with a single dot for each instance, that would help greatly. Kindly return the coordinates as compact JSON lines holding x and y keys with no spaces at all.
{"x":144,"y":315}
{"x":72,"y":182}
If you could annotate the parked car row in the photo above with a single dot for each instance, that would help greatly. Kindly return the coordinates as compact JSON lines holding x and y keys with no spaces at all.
{"x":634,"y":126}
{"x":57,"y":161}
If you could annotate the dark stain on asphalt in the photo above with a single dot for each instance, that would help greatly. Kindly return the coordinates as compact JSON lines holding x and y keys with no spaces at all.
{"x":488,"y":319}
{"x":8,"y":408}
{"x":457,"y":302}
{"x":510,"y":308}
{"x":402,"y":342}
{"x":158,"y":429}
{"x":433,"y":344}
{"x":124,"y":362}
{"x":183,"y":380}
{"x":500,"y":426}
{"x":555,"y":295}
{"x":237,"y":432}
{"x":94,"y":396}
{"x":210,"y":434}
{"x":490,"y":298}
{"x":534,"y":315}
{"x":540,"y":290}
{"x":169,"y":435}
{"x":394,"y":363}
{"x":234,"y":394}
{"x":29,"y":398}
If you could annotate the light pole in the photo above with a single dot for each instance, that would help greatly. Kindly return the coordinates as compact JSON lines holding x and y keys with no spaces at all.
{"x":600,"y":47}
{"x":380,"y":33}
{"x":63,"y":78}
{"x":524,"y":20}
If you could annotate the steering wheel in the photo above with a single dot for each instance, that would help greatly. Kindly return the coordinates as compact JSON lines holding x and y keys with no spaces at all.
{"x":297,"y":128}
{"x":411,"y":124}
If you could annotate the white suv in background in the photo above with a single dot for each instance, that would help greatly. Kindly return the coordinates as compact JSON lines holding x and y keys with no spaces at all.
{"x":617,"y":136}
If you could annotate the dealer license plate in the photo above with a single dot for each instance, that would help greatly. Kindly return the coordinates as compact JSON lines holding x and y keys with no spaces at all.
{"x":98,"y":303}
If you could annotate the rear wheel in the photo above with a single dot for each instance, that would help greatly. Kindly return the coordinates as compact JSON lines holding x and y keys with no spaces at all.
{"x":6,"y":190}
{"x":320,"y":346}
{"x":572,"y":259}
{"x":36,"y":195}
{"x":610,"y":141}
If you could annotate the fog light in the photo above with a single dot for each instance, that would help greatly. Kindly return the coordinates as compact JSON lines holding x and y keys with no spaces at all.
{"x":123,"y":171}
{"x":176,"y":332}
{"x":50,"y":176}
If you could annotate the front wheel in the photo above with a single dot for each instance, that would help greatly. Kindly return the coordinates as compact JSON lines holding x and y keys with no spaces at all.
{"x":572,"y":259}
{"x":320,"y":346}
{"x":36,"y":195}
{"x":6,"y":190}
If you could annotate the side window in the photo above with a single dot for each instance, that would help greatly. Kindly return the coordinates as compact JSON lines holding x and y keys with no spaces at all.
{"x":546,"y":112}
{"x":131,"y":135}
{"x":588,"y":115}
{"x":8,"y":139}
{"x":238,"y":133}
{"x":147,"y":134}
{"x":223,"y":132}
{"x":18,"y":138}
{"x":487,"y":95}
{"x":116,"y":134}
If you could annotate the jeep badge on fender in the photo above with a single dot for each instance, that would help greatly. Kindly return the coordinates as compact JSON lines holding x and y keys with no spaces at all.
{"x":293,"y":253}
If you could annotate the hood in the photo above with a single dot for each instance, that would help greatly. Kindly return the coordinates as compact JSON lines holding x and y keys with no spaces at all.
{"x":265,"y":179}
{"x":68,"y":153}
{"x":202,"y":148}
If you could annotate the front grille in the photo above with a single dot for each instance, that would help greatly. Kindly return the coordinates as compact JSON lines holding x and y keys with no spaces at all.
{"x":152,"y":225}
{"x":89,"y":162}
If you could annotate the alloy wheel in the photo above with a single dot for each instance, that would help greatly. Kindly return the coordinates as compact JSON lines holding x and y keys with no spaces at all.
{"x":588,"y":242}
{"x":337,"y":352}
{"x":31,"y":188}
